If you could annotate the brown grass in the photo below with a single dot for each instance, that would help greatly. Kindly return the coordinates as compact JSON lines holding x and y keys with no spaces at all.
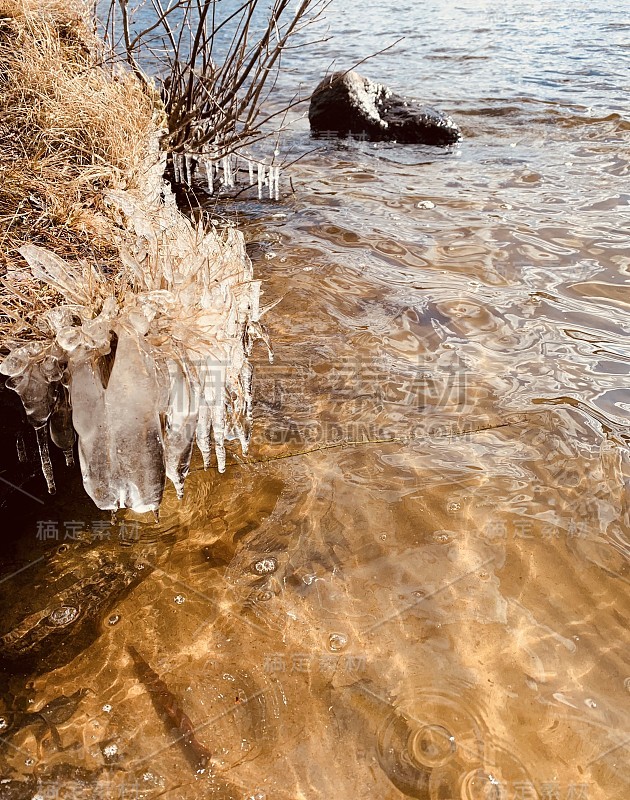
{"x":68,"y":131}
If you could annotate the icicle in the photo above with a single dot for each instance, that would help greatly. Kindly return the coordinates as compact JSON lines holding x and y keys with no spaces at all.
{"x":44,"y":455}
{"x":21,"y":449}
{"x":61,"y":430}
{"x":189,"y":168}
{"x":261,"y":179}
{"x":177,"y":167}
{"x":247,"y":378}
{"x":50,"y":268}
{"x":204,"y":428}
{"x":209,"y":175}
{"x":88,"y":417}
{"x":133,"y":425}
{"x":228,"y":177}
{"x":218,"y":429}
{"x":274,"y":183}
{"x":119,"y":428}
{"x":214,"y":396}
{"x":181,"y":424}
{"x":251,"y":172}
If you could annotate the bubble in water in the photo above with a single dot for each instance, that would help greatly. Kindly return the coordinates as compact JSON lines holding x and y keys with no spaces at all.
{"x":179,"y":599}
{"x":453,"y":506}
{"x":432,"y":746}
{"x":265,"y":566}
{"x":63,"y":615}
{"x":114,"y":619}
{"x":107,"y":708}
{"x":337,"y":641}
{"x":481,"y":785}
{"x":3,"y":724}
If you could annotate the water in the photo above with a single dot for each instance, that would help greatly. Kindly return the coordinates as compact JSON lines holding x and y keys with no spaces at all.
{"x":417,"y":586}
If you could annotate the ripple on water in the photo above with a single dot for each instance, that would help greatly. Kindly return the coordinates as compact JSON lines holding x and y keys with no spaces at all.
{"x":476,"y":573}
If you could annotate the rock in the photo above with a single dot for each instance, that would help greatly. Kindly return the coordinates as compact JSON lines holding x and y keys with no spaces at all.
{"x":346,"y":102}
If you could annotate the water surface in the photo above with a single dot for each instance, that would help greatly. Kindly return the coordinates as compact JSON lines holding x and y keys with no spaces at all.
{"x":417,"y":583}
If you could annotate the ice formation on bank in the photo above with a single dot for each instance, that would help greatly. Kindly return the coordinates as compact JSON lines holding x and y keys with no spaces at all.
{"x":142,"y":364}
{"x":226,"y":171}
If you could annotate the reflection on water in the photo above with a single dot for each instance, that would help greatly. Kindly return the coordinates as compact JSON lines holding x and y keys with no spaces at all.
{"x":417,"y":584}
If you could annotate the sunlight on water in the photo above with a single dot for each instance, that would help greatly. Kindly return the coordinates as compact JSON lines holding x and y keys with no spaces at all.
{"x":416,"y":585}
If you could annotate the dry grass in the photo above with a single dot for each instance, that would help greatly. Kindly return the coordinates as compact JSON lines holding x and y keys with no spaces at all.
{"x":68,"y":132}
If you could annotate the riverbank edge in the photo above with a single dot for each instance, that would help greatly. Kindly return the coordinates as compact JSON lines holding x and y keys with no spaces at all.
{"x":92,"y":222}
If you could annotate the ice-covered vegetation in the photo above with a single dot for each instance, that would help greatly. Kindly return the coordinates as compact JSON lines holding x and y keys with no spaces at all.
{"x":143,"y":366}
{"x":123,"y":323}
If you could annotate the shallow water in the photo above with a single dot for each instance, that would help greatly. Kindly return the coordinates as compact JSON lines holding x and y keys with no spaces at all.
{"x":417,"y":584}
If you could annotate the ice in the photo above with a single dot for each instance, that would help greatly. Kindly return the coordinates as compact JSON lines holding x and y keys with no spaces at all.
{"x":61,"y":430}
{"x":228,"y":177}
{"x":44,"y":455}
{"x":133,"y":426}
{"x":143,"y":362}
{"x":181,"y":424}
{"x":204,"y":431}
{"x":87,"y":395}
{"x":274,"y":182}
{"x":71,"y":282}
{"x":36,"y":393}
{"x":178,"y":167}
{"x":209,"y":175}
{"x":189,"y":168}
{"x":226,"y":169}
{"x":261,"y":179}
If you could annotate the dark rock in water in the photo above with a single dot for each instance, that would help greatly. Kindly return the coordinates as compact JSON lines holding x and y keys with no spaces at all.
{"x":346,"y":102}
{"x":53,"y":609}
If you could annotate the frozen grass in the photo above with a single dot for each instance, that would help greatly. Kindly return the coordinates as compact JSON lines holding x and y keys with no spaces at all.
{"x":68,"y":131}
{"x":124,"y":322}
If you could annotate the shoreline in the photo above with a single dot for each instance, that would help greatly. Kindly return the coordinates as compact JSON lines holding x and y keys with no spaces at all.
{"x":161,"y":325}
